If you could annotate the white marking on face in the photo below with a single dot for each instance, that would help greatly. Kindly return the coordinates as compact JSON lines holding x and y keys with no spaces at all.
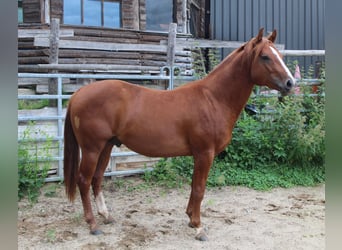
{"x":101,"y":205}
{"x":282,"y":63}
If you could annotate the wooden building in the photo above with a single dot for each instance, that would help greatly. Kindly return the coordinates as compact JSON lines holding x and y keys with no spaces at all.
{"x":119,"y":36}
{"x":126,"y":14}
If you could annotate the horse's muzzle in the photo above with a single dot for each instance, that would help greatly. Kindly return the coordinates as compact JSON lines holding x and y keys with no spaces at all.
{"x":288,"y":86}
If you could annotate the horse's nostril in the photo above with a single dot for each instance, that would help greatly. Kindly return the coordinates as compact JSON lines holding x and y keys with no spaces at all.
{"x":289,"y":84}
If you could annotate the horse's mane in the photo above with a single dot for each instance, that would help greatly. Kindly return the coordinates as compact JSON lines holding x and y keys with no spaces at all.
{"x":251,"y":47}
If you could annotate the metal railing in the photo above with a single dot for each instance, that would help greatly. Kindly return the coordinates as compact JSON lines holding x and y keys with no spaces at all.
{"x":166,"y":73}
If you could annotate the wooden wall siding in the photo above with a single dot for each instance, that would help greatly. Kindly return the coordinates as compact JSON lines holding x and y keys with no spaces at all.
{"x":115,"y":50}
{"x":130,"y":14}
{"x":32,"y":11}
{"x":142,"y":15}
{"x":56,"y":9}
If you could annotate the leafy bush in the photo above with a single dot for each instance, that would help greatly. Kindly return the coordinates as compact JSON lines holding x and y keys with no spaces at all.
{"x":293,"y":135}
{"x":31,"y":170}
{"x":171,"y":173}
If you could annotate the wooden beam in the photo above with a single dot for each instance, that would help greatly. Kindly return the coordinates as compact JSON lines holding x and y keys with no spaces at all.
{"x":31,"y":33}
{"x":71,"y":44}
{"x":206,"y":43}
{"x":303,"y":52}
{"x":85,"y":67}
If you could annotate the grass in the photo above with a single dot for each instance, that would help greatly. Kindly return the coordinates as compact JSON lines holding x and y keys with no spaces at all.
{"x":32,"y":104}
{"x":167,"y":173}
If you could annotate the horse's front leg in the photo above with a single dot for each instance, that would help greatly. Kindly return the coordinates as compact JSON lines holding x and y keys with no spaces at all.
{"x":202,"y":164}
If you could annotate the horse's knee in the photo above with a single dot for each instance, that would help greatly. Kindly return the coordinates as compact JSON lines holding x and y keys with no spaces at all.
{"x":83,"y":182}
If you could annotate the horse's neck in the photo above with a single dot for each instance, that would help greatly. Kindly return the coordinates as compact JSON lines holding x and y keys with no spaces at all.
{"x":230,"y":83}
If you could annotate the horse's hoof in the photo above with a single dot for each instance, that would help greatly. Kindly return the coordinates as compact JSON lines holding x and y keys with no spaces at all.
{"x":96,"y":232}
{"x":201,"y":235}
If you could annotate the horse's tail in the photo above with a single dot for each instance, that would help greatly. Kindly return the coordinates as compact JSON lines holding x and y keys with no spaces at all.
{"x":71,"y":158}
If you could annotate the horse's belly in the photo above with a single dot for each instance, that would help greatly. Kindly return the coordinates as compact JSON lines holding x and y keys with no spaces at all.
{"x":155,"y":146}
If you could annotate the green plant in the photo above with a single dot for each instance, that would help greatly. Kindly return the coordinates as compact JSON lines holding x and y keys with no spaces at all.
{"x":31,"y":170}
{"x":77,"y":218}
{"x":32,"y":104}
{"x":170,"y":173}
{"x":51,"y":189}
{"x":51,"y":235}
{"x":204,"y":61}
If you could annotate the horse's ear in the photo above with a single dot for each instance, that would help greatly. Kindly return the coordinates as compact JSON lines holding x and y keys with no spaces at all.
{"x":272,"y":37}
{"x":260,"y":35}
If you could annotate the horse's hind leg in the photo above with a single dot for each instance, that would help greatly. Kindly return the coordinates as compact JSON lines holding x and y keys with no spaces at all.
{"x":97,"y":180}
{"x":87,"y":169}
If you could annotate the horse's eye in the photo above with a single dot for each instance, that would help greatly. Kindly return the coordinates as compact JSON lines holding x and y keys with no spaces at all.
{"x":265,"y":57}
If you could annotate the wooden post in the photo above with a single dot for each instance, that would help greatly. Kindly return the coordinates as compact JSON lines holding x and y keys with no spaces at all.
{"x":171,"y":51}
{"x":135,"y":12}
{"x":53,"y":57}
{"x":171,"y":46}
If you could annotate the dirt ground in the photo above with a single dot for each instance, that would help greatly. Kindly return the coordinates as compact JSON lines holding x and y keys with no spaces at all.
{"x":154,"y":218}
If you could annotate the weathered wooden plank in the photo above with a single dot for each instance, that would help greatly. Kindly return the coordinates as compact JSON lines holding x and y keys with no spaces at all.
{"x":26,"y":43}
{"x":23,"y":91}
{"x":303,"y":52}
{"x":31,"y":81}
{"x":99,"y":61}
{"x":33,"y":60}
{"x":24,"y":81}
{"x":153,"y":63}
{"x":69,"y":44}
{"x":103,"y":39}
{"x":31,"y":33}
{"x":183,"y":60}
{"x":155,"y":38}
{"x":184,"y":53}
{"x":79,"y":67}
{"x":67,"y":88}
{"x":103,"y":32}
{"x":33,"y":52}
{"x":72,"y":53}
{"x":134,"y":162}
{"x":205,"y":43}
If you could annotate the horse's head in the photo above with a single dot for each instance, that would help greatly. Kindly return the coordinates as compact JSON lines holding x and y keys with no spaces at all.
{"x":267,"y":65}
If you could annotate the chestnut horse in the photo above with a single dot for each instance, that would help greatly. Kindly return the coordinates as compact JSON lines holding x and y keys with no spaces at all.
{"x":195,"y":119}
